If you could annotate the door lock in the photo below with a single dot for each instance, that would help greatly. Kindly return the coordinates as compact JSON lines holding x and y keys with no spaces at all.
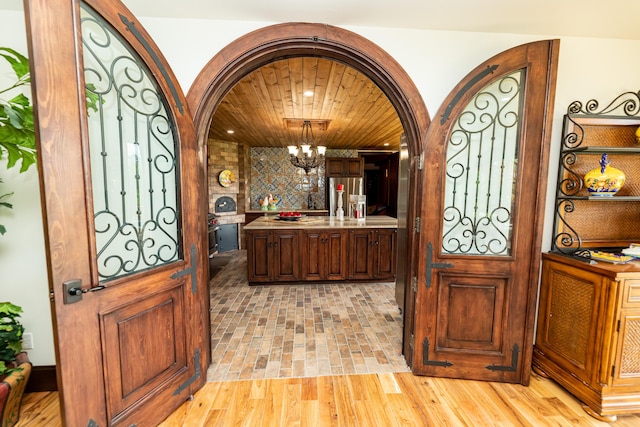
{"x":72,"y":291}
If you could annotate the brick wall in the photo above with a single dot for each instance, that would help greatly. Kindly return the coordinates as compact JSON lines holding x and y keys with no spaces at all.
{"x":224,"y":155}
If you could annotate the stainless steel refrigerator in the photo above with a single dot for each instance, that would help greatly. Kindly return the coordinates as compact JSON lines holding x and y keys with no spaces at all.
{"x":352,"y":186}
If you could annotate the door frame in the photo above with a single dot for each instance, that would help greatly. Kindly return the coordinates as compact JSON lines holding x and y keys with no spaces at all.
{"x":280,"y":41}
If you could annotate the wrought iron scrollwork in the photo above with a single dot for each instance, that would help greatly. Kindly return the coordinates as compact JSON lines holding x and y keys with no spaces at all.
{"x":567,"y":241}
{"x":134,"y":164}
{"x":627,"y":103}
{"x":481,"y":171}
{"x":570,"y":185}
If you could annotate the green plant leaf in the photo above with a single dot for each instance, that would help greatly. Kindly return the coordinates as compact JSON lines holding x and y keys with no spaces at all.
{"x":11,"y":331}
{"x":92,"y":97}
{"x":19,"y":62}
{"x":17,"y":134}
{"x":14,"y":115}
{"x":10,"y":310}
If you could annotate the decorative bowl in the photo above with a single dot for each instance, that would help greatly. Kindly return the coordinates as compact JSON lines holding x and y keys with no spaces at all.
{"x":289,"y":216}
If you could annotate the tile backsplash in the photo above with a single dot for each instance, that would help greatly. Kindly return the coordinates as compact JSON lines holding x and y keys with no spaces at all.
{"x":272,"y":173}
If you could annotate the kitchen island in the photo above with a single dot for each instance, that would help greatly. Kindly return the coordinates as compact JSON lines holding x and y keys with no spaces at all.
{"x":321,"y":248}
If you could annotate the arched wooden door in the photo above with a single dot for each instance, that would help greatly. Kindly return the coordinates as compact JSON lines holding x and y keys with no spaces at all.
{"x":124,"y":215}
{"x":484,"y":183}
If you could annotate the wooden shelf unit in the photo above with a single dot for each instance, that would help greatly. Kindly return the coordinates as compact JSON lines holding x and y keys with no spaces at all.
{"x":582,"y":221}
{"x":588,"y":330}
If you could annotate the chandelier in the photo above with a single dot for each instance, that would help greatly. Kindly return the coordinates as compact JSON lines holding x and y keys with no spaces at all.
{"x":311,"y":156}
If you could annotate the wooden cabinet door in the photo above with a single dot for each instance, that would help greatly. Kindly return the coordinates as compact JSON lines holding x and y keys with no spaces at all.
{"x":312,"y":254}
{"x":626,"y":371}
{"x":385,"y":256}
{"x":354,"y":167}
{"x":337,"y":167}
{"x":260,"y":260}
{"x":372,"y":254}
{"x":482,"y":215}
{"x":334,"y":167}
{"x":336,"y":256}
{"x":569,"y":308}
{"x":362,"y":253}
{"x":324,"y":255}
{"x":125,"y":226}
{"x":285,"y":246}
{"x":627,"y":354}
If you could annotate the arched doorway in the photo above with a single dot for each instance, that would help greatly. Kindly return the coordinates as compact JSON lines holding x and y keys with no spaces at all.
{"x":302,"y":39}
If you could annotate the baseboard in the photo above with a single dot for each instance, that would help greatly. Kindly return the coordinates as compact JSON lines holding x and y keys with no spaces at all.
{"x":43,"y":378}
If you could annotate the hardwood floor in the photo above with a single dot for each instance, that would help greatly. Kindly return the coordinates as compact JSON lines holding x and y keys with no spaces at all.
{"x":390,"y":399}
{"x":380,"y":399}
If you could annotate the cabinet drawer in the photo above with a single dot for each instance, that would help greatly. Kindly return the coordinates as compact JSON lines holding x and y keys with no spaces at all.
{"x":631,"y":297}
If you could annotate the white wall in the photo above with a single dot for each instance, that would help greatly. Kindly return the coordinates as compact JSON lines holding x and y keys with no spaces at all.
{"x":435,"y":60}
{"x":23,"y":272}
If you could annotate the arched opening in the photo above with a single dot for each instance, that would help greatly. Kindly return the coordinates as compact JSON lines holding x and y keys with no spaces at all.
{"x":275,"y":42}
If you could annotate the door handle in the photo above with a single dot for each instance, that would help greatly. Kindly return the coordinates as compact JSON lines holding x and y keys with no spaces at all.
{"x":72,"y":291}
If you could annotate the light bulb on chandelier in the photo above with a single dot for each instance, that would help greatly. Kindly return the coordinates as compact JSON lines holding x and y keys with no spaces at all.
{"x":310,"y":157}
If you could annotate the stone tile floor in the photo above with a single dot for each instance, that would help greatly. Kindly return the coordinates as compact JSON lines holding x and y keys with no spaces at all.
{"x":306,"y":330}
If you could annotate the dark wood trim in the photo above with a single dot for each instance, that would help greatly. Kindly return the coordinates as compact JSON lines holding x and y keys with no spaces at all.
{"x":43,"y":378}
{"x":275,"y":42}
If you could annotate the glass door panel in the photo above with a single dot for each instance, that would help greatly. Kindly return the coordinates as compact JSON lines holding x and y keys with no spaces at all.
{"x":482,"y":163}
{"x":133,"y":157}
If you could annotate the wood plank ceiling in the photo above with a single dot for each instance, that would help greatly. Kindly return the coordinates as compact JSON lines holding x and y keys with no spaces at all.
{"x":266,"y":107}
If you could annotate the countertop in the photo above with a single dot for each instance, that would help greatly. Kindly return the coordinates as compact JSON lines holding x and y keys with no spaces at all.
{"x":277,"y":211}
{"x":626,"y":270}
{"x":311,"y":222}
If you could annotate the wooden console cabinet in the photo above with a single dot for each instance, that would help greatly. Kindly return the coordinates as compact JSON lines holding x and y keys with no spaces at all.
{"x":588,"y":333}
